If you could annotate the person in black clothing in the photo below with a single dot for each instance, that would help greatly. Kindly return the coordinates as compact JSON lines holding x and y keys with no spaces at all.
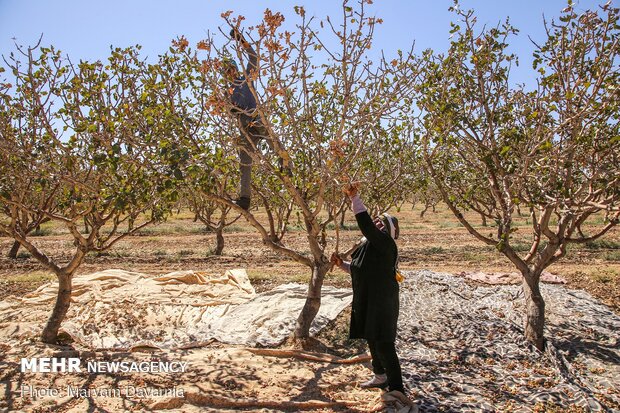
{"x":375,"y":307}
{"x":243,"y":100}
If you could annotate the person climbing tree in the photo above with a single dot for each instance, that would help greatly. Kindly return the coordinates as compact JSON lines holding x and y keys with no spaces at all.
{"x":244,"y":105}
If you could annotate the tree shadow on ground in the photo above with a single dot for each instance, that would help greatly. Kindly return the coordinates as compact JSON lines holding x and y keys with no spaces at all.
{"x":464,"y":364}
{"x":573,"y":345}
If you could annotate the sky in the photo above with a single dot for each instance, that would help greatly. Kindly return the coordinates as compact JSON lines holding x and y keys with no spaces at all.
{"x":85,"y":29}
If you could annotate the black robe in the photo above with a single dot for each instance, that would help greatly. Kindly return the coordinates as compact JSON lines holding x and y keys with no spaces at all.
{"x":375,"y":305}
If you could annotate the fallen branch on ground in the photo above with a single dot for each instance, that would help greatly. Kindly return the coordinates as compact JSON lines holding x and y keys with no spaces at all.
{"x":201,"y":399}
{"x":306,"y":355}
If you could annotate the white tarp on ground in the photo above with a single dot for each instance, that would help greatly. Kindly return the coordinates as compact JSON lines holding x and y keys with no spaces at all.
{"x":270,"y":317}
{"x":116,"y":309}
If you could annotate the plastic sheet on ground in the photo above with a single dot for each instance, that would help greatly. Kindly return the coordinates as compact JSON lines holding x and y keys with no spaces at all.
{"x":117,"y":309}
{"x":270,"y":317}
{"x":498,"y":278}
{"x":462,"y":348}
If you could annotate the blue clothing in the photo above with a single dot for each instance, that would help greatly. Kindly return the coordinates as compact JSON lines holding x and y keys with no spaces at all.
{"x":242,"y":96}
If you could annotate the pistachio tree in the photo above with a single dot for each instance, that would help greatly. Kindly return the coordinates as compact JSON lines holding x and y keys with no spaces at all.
{"x":325,"y":105}
{"x":80,"y":143}
{"x":553,"y":150}
{"x":214,"y":215}
{"x":29,"y":221}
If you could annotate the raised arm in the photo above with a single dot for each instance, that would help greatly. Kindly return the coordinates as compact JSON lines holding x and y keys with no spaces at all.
{"x":252,"y":55}
{"x":373,"y":234}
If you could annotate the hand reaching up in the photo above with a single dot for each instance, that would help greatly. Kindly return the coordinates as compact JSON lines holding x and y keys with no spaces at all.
{"x":351,"y":189}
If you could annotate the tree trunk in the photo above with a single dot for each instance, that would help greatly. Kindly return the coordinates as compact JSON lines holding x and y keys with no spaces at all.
{"x":63,"y":300}
{"x":424,"y":211}
{"x":534,"y":310}
{"x":219,"y":241}
{"x":13,"y":252}
{"x":313,"y":301}
{"x":484,"y":221}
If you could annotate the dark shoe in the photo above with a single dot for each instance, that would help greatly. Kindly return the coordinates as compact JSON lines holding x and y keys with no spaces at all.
{"x":243,"y":202}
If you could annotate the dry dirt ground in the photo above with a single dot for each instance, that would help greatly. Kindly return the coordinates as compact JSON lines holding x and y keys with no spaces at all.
{"x":218,"y":379}
{"x":435,"y":242}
